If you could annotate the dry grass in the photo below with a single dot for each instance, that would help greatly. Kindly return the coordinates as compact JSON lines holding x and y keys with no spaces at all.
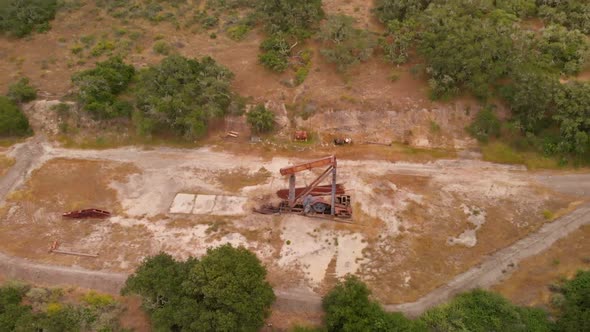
{"x":529,"y":285}
{"x":236,"y":179}
{"x":5,"y":164}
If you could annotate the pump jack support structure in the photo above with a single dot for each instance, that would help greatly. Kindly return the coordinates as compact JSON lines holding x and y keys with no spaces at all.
{"x":292,"y":170}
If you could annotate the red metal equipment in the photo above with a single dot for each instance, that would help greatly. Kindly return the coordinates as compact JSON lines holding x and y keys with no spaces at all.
{"x":307,"y":199}
{"x":87,"y":213}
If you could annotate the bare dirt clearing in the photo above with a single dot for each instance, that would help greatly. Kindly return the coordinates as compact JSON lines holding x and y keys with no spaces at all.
{"x":404,"y":214}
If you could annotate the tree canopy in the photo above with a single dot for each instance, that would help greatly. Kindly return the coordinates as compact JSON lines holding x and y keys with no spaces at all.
{"x":225,"y":290}
{"x":99,"y":88}
{"x":181,"y":95}
{"x":13,"y":122}
{"x":21,"y":17}
{"x":575,"y":307}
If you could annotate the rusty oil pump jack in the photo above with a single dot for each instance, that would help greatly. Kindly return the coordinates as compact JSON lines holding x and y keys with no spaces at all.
{"x":308,"y":200}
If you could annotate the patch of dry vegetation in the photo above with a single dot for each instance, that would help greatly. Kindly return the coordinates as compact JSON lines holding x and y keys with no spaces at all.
{"x":236,"y":179}
{"x":5,"y":164}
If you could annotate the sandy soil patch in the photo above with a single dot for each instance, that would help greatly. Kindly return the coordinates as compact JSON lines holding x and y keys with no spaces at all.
{"x":5,"y":163}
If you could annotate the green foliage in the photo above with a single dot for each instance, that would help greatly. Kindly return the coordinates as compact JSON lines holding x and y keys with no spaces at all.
{"x":275,"y":53}
{"x":573,"y":116}
{"x":388,"y":10}
{"x":99,"y":87}
{"x":349,"y":309}
{"x":575,"y":309}
{"x":230,"y":4}
{"x":260,"y":119}
{"x":21,"y":91}
{"x":567,"y":50}
{"x":399,"y":41}
{"x":51,"y":316}
{"x":466,"y":46}
{"x":238,"y":32}
{"x":162,"y":47}
{"x":485,"y":125}
{"x":484,"y":311}
{"x":224,"y":291}
{"x":21,"y":17}
{"x":12,"y":121}
{"x":520,"y":8}
{"x":574,"y":14}
{"x":182,"y":95}
{"x":343,"y":44}
{"x":291,"y":17}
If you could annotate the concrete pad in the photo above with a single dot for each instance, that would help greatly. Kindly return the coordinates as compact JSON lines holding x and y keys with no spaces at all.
{"x":183,"y":203}
{"x":204,"y":204}
{"x":229,"y":205}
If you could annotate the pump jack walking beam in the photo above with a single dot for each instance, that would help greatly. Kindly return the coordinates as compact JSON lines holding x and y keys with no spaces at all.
{"x":292,"y":170}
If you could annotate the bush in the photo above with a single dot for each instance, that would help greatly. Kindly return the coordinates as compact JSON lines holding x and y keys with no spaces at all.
{"x":566,"y":50}
{"x":573,"y":14}
{"x":181,"y":95}
{"x":224,"y":291}
{"x":276,"y":52}
{"x":21,"y":91}
{"x":388,"y":10}
{"x":573,"y":116}
{"x":345,"y":45}
{"x":485,"y":125}
{"x":260,"y":119}
{"x":99,"y":88}
{"x":12,"y":121}
{"x":575,"y":309}
{"x":21,"y":17}
{"x":162,"y":47}
{"x":484,"y":311}
{"x":349,"y":309}
{"x":292,"y":17}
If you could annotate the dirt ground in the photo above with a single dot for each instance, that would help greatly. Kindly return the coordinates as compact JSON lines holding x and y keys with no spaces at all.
{"x":5,"y":163}
{"x":404,"y":213}
{"x":530,"y":284}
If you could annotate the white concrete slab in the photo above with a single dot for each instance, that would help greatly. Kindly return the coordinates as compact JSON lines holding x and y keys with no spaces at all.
{"x":183,"y":203}
{"x":229,"y":205}
{"x":204,"y":204}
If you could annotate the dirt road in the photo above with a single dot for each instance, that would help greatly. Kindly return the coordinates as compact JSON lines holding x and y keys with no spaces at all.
{"x":491,"y":270}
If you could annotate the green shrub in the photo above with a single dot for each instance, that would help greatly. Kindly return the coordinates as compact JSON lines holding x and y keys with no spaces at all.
{"x":573,"y":116}
{"x":181,"y":95}
{"x":343,"y":44}
{"x":567,"y":50}
{"x":348,"y":308}
{"x":485,"y":125}
{"x":162,"y":47}
{"x":574,"y":14}
{"x":224,"y":291}
{"x":98,"y":88}
{"x":12,"y":121}
{"x":238,"y":32}
{"x":21,"y":91}
{"x":276,"y":52}
{"x":21,"y":17}
{"x":292,"y":17}
{"x":260,"y":119}
{"x":484,"y":311}
{"x":388,"y":10}
{"x":575,"y":308}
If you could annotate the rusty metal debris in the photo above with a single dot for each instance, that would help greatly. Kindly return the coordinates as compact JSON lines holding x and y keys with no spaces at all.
{"x":313,"y":200}
{"x":342,"y":141}
{"x":87,"y":213}
{"x":54,"y":249}
{"x":301,"y":135}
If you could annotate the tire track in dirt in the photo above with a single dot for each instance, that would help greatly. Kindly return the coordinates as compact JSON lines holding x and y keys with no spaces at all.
{"x":26,"y":154}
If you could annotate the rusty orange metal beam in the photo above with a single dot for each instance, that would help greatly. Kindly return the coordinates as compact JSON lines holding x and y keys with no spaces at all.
{"x":328,"y":161}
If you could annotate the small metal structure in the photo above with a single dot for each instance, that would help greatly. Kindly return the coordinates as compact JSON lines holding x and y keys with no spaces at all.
{"x":301,"y":136}
{"x":308,"y":200}
{"x":87,"y":213}
{"x":54,"y":249}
